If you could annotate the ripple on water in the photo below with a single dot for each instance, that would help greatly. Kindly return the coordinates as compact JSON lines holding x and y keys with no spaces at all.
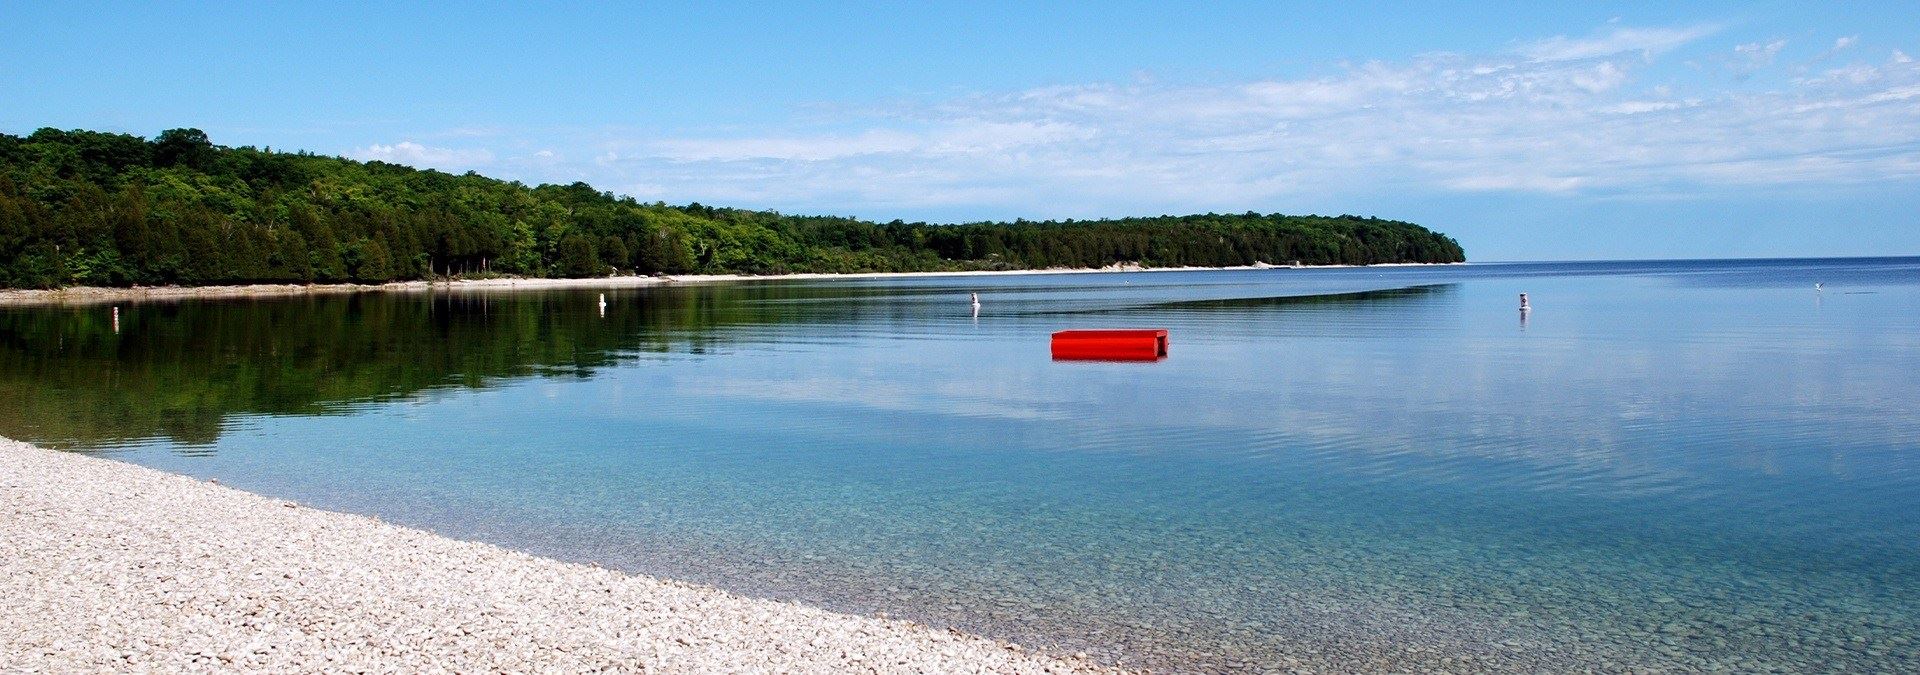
{"x":1658,"y":471}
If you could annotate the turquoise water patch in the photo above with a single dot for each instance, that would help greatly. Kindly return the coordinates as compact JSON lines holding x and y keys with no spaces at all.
{"x":1671,"y":465}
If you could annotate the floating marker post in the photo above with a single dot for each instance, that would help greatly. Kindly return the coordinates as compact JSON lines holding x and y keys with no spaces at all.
{"x":1138,"y":344}
{"x":116,"y":319}
{"x":1523,"y":303}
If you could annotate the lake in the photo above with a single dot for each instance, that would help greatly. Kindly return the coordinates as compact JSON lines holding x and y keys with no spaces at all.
{"x":1668,"y":464}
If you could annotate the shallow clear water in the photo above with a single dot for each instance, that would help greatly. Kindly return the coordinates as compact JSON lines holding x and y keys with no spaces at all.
{"x":1666,"y":464}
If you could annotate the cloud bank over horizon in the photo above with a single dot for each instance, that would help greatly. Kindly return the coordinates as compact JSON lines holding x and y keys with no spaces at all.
{"x":1622,"y":113}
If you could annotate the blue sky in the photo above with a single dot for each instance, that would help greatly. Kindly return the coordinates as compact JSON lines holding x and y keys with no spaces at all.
{"x":1526,"y":130}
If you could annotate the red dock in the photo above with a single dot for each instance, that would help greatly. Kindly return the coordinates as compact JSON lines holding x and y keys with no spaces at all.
{"x":1140,"y":344}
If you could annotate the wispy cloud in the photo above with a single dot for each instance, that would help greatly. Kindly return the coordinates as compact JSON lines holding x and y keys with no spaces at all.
{"x":796,"y":148}
{"x":415,"y":154}
{"x":1753,"y":56}
{"x":1556,"y":116}
{"x":960,"y":136}
{"x":1614,"y":41}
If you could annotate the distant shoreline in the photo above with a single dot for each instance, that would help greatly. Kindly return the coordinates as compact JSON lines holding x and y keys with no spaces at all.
{"x":92,"y":295}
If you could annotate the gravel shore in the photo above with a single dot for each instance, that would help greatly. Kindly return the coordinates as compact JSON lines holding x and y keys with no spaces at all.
{"x":107,"y":566}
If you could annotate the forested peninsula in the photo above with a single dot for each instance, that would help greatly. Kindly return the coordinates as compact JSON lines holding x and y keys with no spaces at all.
{"x":87,"y":208}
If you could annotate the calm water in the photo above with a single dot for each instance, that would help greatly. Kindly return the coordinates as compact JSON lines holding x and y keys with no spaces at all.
{"x":1667,"y":464}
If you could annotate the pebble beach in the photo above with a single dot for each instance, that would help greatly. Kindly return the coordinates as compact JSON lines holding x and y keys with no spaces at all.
{"x":108,"y":566}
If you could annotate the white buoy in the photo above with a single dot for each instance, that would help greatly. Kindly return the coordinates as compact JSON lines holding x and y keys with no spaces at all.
{"x":603,"y":304}
{"x":1524,"y":307}
{"x":116,"y":319}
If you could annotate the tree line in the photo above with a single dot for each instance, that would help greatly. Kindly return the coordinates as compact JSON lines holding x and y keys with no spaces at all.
{"x":104,"y":209}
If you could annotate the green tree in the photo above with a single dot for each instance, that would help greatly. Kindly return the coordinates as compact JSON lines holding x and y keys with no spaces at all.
{"x":613,"y":252}
{"x":376,"y":263}
{"x":577,"y":257}
{"x":189,"y":148}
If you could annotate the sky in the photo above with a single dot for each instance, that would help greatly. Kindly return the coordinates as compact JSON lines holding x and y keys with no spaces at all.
{"x":1528,"y":131}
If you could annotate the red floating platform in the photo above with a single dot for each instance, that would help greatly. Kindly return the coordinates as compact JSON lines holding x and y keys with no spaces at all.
{"x":1139,"y":344}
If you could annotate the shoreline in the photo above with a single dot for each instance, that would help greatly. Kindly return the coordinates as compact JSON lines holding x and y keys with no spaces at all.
{"x":116,"y":566}
{"x":93,"y":295}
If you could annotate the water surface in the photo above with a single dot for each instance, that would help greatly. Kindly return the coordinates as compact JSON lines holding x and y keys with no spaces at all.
{"x":1666,"y":464}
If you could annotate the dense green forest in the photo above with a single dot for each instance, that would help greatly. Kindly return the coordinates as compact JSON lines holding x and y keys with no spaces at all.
{"x":105,"y":209}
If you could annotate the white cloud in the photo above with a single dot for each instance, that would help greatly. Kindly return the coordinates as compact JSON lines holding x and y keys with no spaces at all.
{"x":415,"y":154}
{"x":1755,"y":55}
{"x":974,"y":136}
{"x":1652,"y":41}
{"x":1600,"y":78}
{"x":473,"y":132}
{"x":958,"y":136}
{"x":1638,"y":107}
{"x":1515,"y":182}
{"x":1905,"y":93}
{"x":1840,"y":45}
{"x":1580,"y":123}
{"x":1854,"y":73}
{"x":810,"y":149}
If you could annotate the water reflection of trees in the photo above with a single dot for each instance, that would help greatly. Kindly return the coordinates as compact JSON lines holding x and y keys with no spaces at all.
{"x":179,"y":370}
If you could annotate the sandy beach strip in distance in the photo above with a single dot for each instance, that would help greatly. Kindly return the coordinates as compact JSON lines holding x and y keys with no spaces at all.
{"x":90,"y":295}
{"x":109,"y":566}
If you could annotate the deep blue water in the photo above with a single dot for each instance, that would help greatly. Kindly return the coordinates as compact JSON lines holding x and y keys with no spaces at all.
{"x":1671,"y":464}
